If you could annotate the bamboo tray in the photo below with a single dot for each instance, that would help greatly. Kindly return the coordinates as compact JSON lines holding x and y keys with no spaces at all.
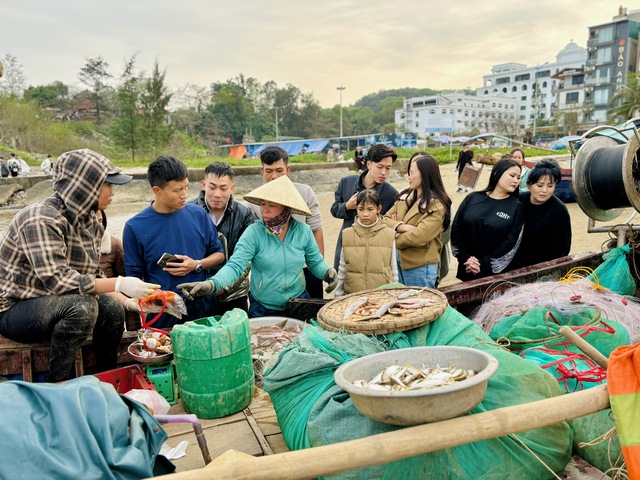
{"x":330,"y":317}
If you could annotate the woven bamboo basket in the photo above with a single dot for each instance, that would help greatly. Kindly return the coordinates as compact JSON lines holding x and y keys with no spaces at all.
{"x":330,"y":317}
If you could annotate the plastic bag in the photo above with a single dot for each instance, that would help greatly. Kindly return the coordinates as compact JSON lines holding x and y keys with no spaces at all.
{"x":162,"y":301}
{"x":614,"y":272}
{"x":151,"y":399}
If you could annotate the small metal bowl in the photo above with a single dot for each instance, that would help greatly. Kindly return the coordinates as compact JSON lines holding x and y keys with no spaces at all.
{"x":138,"y":352}
{"x":415,"y":407}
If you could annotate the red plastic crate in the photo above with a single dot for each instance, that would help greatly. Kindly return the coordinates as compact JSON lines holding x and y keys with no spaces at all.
{"x":126,"y":378}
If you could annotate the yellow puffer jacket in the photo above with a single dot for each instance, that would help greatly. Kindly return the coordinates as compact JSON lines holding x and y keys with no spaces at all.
{"x":367,"y":256}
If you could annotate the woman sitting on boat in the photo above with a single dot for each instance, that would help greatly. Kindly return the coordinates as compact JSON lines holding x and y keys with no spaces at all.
{"x":277,"y":246}
{"x":547,"y":224}
{"x":419,"y":216}
{"x":487,"y":227}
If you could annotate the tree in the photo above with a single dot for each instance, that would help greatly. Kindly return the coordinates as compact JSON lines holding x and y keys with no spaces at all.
{"x":230,"y":110}
{"x":95,"y":75}
{"x":13,"y":81}
{"x":154,"y":100}
{"x":54,"y":95}
{"x":127,"y":128}
{"x":626,"y":100}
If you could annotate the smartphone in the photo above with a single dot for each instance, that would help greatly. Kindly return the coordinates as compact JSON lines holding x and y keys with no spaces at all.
{"x":167,"y":257}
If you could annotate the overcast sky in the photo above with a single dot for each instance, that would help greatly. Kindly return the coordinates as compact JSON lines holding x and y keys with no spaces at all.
{"x":365,"y":45}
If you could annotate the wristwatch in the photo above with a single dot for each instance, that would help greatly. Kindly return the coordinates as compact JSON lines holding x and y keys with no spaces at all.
{"x":198,"y":268}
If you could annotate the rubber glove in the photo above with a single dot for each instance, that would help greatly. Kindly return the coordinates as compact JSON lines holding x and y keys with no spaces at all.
{"x":134,"y":287}
{"x":331,"y":277}
{"x":131,"y":305}
{"x":197,"y":289}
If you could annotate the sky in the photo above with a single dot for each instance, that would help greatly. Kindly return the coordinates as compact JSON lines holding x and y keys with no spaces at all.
{"x":364,"y":46}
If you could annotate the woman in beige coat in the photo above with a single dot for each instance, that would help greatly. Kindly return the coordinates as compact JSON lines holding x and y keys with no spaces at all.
{"x":421,"y":213}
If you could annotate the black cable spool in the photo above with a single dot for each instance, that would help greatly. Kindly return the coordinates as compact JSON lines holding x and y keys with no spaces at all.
{"x":606,"y":177}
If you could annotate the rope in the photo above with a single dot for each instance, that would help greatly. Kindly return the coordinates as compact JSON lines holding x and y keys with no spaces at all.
{"x":514,"y":436}
{"x":620,"y":472}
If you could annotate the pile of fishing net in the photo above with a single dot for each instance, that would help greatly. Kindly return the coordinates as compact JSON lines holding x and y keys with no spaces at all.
{"x":313,"y":411}
{"x":527,"y":319}
{"x":570,"y":295}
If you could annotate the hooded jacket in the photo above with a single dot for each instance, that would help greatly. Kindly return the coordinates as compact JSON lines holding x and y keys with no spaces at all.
{"x":52,"y":246}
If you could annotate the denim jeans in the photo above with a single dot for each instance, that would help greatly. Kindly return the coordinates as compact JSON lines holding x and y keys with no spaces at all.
{"x":67,"y":321}
{"x":425,"y":276}
{"x":256,"y":309}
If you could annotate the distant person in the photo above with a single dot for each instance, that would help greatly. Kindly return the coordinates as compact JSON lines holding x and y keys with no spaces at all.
{"x":278,"y":247}
{"x":4,"y":169}
{"x":464,"y":158}
{"x":231,"y":219}
{"x":45,"y":166}
{"x":25,"y":170}
{"x":171,"y":225}
{"x":419,"y":217}
{"x":340,"y":156}
{"x":487,"y":228}
{"x":517,"y":154}
{"x":368,"y":257}
{"x":358,"y":156}
{"x":380,"y":160}
{"x":331,"y":155}
{"x":275,"y":164}
{"x":51,"y":285}
{"x":14,"y":165}
{"x":547,"y":224}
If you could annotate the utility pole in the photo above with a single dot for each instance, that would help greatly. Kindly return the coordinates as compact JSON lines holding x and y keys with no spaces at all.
{"x":276,"y":123}
{"x":340,"y":89}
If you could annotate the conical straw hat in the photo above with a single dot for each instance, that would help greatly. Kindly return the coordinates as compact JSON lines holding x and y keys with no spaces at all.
{"x":282,"y":191}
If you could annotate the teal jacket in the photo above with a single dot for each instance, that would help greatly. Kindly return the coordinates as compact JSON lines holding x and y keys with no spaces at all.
{"x":276,"y":266}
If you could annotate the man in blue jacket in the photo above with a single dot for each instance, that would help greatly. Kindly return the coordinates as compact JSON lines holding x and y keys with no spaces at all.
{"x":171,"y":225}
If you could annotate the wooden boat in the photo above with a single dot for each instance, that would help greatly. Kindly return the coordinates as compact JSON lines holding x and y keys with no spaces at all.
{"x":255,"y":430}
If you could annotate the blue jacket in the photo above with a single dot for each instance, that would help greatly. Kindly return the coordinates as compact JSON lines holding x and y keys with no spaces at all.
{"x":276,"y":266}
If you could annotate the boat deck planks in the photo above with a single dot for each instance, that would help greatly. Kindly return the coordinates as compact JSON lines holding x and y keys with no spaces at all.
{"x":254,"y":431}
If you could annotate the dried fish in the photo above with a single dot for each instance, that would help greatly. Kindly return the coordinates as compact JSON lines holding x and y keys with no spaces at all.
{"x":415,"y":303}
{"x":395,"y":378}
{"x":383,"y":309}
{"x":351,"y":309}
{"x":410,"y":293}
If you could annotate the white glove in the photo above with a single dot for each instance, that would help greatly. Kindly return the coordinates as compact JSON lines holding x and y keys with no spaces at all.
{"x":134,"y":287}
{"x":131,"y":305}
{"x":197,"y":289}
{"x":331,"y":277}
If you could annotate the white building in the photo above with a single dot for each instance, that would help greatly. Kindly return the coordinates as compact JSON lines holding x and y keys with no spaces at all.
{"x":520,"y":82}
{"x":455,"y":112}
{"x":571,"y":94}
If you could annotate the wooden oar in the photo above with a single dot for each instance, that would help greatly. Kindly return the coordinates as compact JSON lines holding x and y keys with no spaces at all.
{"x":586,"y":348}
{"x":407,"y":442}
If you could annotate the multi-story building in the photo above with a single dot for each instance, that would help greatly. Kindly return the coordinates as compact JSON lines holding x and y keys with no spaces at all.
{"x":612,"y":52}
{"x":570,"y":108}
{"x":455,"y":112}
{"x":531,"y":87}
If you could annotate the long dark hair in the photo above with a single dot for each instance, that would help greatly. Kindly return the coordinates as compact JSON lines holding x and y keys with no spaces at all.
{"x":498,"y":170}
{"x":432,"y":187}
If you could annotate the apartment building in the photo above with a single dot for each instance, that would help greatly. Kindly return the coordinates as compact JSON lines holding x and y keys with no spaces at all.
{"x":612,"y":52}
{"x":532,"y":87}
{"x":455,"y":112}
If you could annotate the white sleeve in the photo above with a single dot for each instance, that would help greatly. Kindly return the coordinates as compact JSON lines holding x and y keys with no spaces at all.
{"x":339,"y":291}
{"x":394,"y":262}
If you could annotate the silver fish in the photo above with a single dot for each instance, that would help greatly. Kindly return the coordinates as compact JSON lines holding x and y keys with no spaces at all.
{"x":383,"y":309}
{"x":351,"y":309}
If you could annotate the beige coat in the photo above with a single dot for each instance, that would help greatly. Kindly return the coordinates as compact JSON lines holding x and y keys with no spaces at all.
{"x":368,"y":258}
{"x":422,"y":245}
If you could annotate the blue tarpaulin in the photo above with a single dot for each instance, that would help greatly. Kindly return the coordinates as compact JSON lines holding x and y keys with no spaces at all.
{"x":291,"y":147}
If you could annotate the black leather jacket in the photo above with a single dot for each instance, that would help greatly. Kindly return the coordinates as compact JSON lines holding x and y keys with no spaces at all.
{"x":234,"y":222}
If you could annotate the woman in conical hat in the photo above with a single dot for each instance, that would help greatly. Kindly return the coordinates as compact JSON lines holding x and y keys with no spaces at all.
{"x":277,"y":246}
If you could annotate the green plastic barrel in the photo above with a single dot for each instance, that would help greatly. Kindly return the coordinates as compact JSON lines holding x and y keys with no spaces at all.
{"x":213,"y":364}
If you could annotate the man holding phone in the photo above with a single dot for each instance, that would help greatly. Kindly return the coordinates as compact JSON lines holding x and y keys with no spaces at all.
{"x":171,"y":241}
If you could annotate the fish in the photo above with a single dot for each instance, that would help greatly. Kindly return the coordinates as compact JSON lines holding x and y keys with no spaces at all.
{"x":383,"y":309}
{"x":415,"y":303}
{"x":396,"y":378}
{"x":351,"y":309}
{"x":410,"y":293}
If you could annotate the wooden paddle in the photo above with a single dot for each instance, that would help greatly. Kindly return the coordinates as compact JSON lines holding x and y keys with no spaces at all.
{"x":407,"y":442}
